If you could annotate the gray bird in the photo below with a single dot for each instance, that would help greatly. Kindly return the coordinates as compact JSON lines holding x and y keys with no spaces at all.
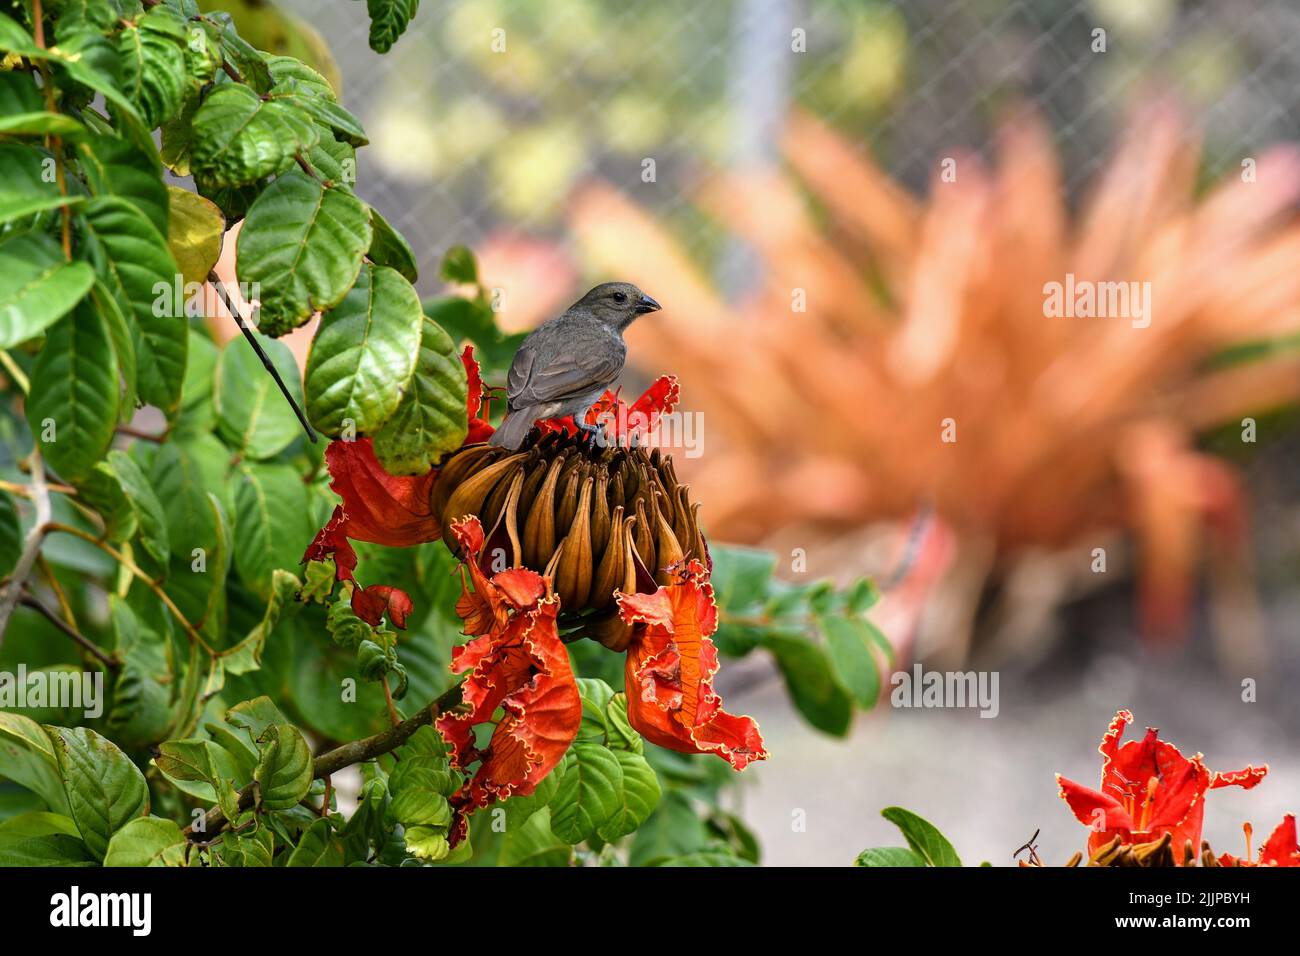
{"x":565,"y":364}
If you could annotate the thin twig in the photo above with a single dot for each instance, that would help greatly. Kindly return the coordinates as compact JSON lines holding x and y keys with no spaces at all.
{"x":65,"y":607}
{"x":257,"y":347}
{"x":87,"y":645}
{"x":346,"y":755}
{"x":11,"y":367}
{"x":40,"y":497}
{"x":53,"y":143}
{"x":135,"y":569}
{"x":143,"y":435}
{"x":393,"y":716}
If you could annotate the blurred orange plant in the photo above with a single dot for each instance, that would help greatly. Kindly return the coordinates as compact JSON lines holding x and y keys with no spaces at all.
{"x":920,"y":311}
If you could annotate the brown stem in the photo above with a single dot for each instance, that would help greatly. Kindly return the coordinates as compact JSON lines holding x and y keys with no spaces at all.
{"x":40,"y":496}
{"x":137,"y":433}
{"x":135,"y":569}
{"x":65,"y":607}
{"x":87,"y":645}
{"x":388,"y":699}
{"x":358,"y":751}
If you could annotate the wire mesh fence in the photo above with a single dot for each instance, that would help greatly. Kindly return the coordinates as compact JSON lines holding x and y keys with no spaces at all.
{"x":488,"y":113}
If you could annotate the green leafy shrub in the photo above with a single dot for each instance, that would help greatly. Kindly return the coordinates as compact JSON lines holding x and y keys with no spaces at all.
{"x":160,"y":573}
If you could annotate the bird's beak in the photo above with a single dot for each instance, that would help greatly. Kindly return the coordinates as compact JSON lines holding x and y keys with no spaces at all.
{"x":647,"y":304}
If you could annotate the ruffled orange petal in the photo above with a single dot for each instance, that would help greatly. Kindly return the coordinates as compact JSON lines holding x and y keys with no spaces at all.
{"x":517,"y":665}
{"x":671,"y":663}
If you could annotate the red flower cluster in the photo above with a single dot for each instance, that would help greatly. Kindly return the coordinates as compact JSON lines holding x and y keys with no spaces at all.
{"x":515,"y":661}
{"x":1148,"y":789}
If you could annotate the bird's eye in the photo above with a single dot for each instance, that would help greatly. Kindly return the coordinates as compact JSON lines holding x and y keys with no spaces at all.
{"x":620,"y":296}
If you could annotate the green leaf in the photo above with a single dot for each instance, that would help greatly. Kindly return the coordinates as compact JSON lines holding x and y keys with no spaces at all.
{"x":284,"y":771}
{"x":41,"y":123}
{"x":710,"y":858}
{"x":247,"y":654}
{"x":364,"y":354}
{"x":148,"y":509}
{"x":38,"y":286}
{"x":148,"y":841}
{"x":595,"y":695}
{"x":141,"y":713}
{"x":851,"y":658}
{"x":139,"y":270}
{"x":319,"y":846}
{"x":459,"y":266}
{"x":29,"y":184}
{"x":70,"y":55}
{"x":302,"y":246}
{"x":430,"y":419}
{"x":237,"y":137}
{"x":195,"y":230}
{"x":42,"y":839}
{"x":106,"y":304}
{"x":637,"y":797}
{"x":673,"y":830}
{"x":531,"y":844}
{"x":390,"y":248}
{"x":388,"y":20}
{"x":740,"y":577}
{"x":620,"y":735}
{"x":72,"y":408}
{"x":27,"y":758}
{"x":301,"y":86}
{"x":589,"y":795}
{"x":183,"y":474}
{"x":255,"y":849}
{"x":152,"y":67}
{"x":335,"y":160}
{"x":888,"y":856}
{"x":252,"y":415}
{"x":923,"y":837}
{"x":811,"y":683}
{"x":272,"y":522}
{"x":105,"y":789}
{"x":197,"y":414}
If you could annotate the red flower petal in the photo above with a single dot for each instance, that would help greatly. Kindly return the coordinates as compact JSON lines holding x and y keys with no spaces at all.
{"x":517,"y":665}
{"x":1281,"y":848}
{"x":480,"y":429}
{"x":382,"y":508}
{"x":372,"y":603}
{"x":619,"y":419}
{"x":1246,"y":779}
{"x":331,"y":541}
{"x":1098,"y":811}
{"x":670,"y":668}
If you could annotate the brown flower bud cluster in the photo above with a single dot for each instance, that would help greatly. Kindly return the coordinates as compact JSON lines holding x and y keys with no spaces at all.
{"x":596,"y":520}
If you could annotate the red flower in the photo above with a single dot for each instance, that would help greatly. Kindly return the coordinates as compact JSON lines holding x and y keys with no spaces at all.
{"x":478,"y":402}
{"x":377,"y":507}
{"x":385,"y":509}
{"x":1280,"y":850}
{"x":517,"y":664}
{"x":1148,"y":788}
{"x":621,"y":420}
{"x":670,"y":667}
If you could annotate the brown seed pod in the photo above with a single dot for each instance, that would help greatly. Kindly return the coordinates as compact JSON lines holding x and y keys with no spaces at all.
{"x":539,"y":529}
{"x":469,"y":496}
{"x":613,"y":563}
{"x":573,"y":573}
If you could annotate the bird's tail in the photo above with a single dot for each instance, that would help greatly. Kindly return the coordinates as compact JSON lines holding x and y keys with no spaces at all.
{"x":514,"y":429}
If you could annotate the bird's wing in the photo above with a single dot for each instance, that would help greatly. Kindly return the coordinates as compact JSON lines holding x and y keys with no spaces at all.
{"x":570,"y":373}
